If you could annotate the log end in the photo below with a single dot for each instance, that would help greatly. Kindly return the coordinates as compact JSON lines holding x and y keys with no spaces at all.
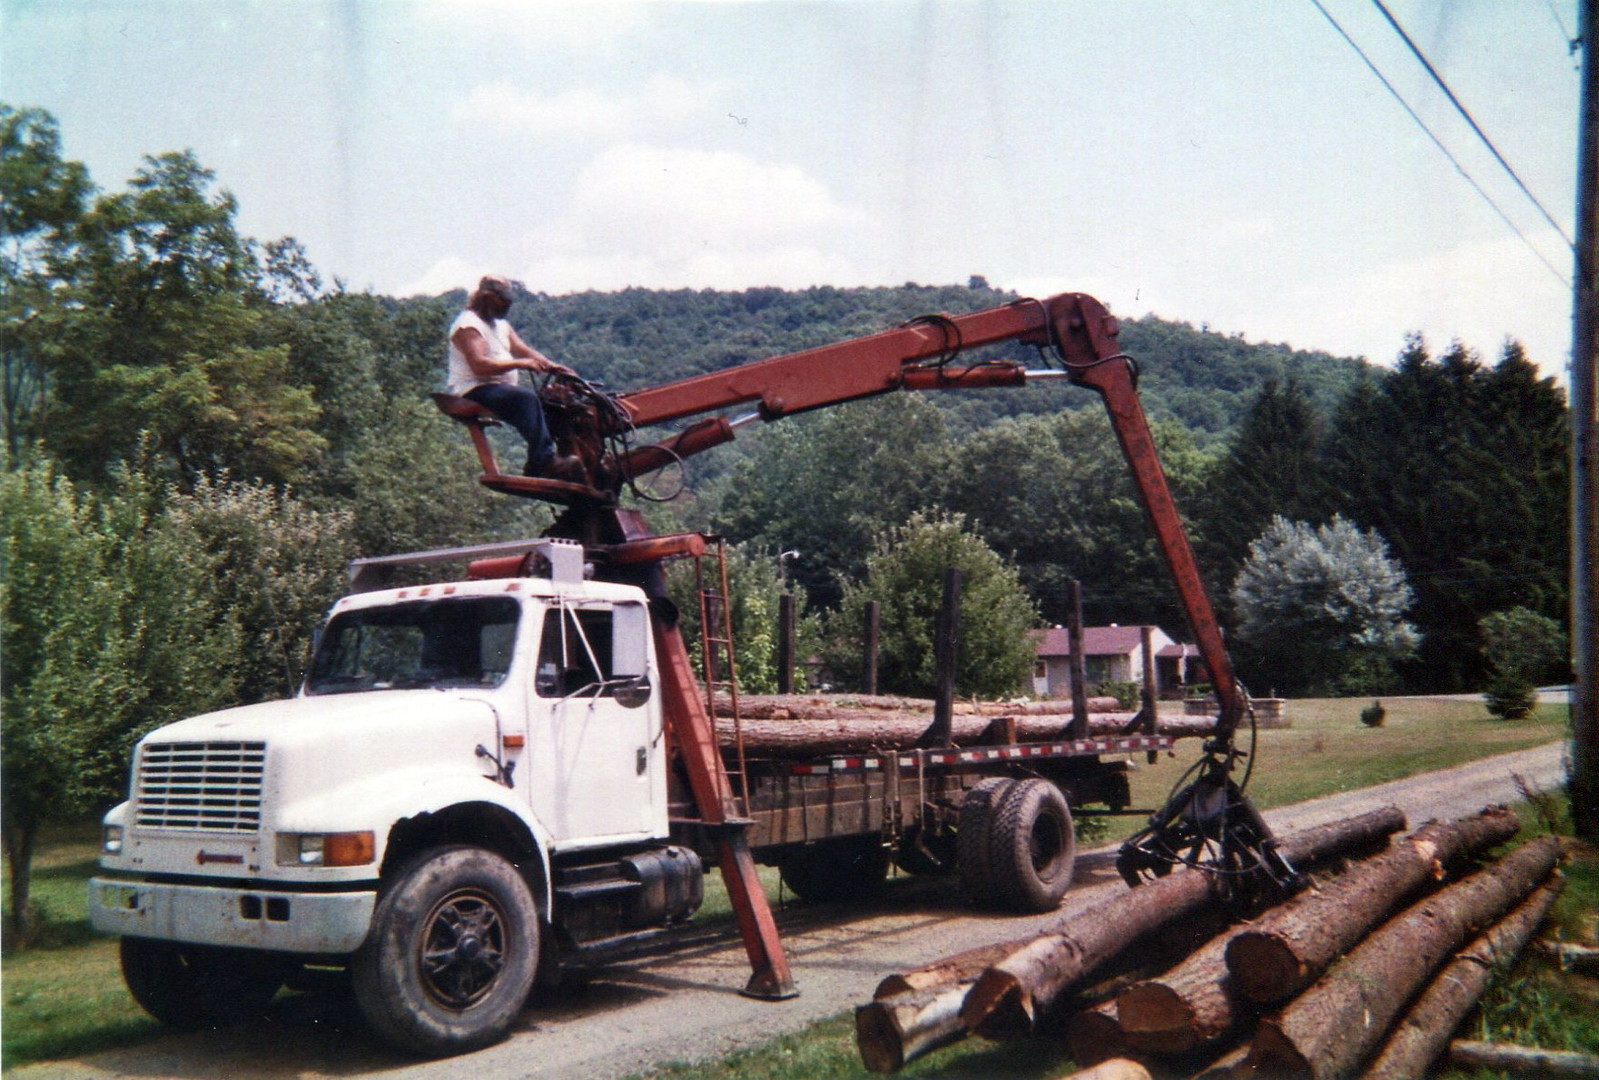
{"x":1155,"y":1018}
{"x":1272,"y":1054}
{"x":1094,"y":1035}
{"x":877,"y":1038}
{"x":997,"y":1007}
{"x":1262,"y":967}
{"x":1114,"y":1069}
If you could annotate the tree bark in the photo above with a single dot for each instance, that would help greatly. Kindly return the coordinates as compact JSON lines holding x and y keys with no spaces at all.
{"x":1009,"y":997}
{"x":1423,"y":1035}
{"x":817,"y":738}
{"x":1327,"y":1031}
{"x":1523,"y":1061}
{"x":19,"y":842}
{"x":1185,"y":1009}
{"x":1293,"y":943}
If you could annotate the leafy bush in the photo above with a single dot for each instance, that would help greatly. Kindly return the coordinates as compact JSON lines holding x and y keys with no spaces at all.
{"x":1520,"y":646}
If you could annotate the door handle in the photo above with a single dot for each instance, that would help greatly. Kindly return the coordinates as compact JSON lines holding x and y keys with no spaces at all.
{"x":642,"y":759}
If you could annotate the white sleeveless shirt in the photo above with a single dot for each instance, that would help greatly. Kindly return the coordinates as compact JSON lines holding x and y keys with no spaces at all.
{"x":497,"y":335}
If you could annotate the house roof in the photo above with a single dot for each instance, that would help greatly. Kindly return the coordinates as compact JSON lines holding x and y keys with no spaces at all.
{"x":1097,"y":641}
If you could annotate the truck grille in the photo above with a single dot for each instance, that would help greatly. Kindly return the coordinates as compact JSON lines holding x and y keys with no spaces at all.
{"x":203,"y":786}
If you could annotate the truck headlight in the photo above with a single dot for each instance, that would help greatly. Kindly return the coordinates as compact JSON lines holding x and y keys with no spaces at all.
{"x":111,"y":840}
{"x":325,"y":849}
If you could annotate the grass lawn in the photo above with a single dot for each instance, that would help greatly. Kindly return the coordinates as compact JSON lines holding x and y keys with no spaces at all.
{"x":63,"y":995}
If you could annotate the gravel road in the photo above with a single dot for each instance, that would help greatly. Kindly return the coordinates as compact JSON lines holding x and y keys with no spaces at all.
{"x":685,"y":1006}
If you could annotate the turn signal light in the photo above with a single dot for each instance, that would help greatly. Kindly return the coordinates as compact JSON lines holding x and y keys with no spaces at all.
{"x":347,"y":849}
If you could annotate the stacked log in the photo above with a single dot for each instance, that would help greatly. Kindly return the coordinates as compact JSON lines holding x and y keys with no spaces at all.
{"x":1010,"y":996}
{"x":1334,"y":1025}
{"x":1422,"y":1036}
{"x":1342,"y":976}
{"x":867,"y":706}
{"x":1196,"y":1005}
{"x":1017,"y":980}
{"x":820,"y":737}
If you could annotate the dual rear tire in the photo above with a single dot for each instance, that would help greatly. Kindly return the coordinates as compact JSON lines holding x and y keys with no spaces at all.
{"x":1015,"y":848}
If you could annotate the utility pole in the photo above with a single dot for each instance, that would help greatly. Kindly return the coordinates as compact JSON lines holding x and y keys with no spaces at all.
{"x":1584,"y":785}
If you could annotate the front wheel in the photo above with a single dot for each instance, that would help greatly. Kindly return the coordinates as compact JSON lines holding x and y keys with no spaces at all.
{"x":193,"y":986}
{"x":451,"y":955}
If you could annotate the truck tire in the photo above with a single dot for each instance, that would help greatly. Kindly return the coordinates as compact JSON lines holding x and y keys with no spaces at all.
{"x":193,"y":986}
{"x":973,"y":838}
{"x":451,"y":955}
{"x":846,"y":868}
{"x":1032,"y":847}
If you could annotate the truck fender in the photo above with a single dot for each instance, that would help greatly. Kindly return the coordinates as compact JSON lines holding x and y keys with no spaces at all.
{"x":418,"y":808}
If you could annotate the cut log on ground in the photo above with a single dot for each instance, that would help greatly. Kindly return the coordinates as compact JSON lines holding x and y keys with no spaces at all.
{"x":1524,"y":1062}
{"x":962,"y":967}
{"x":897,"y":1030}
{"x":1422,"y":1036}
{"x":1330,"y":1029}
{"x":1112,"y":1069}
{"x":819,"y":738}
{"x":1294,"y":942}
{"x":1008,"y":998}
{"x":1187,"y":1008}
{"x":1578,"y":959}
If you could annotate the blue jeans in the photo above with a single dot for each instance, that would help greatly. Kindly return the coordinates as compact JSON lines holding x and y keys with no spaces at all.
{"x":520,"y":407}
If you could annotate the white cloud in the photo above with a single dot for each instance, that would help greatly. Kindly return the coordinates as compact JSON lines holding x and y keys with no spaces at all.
{"x":665,"y":217}
{"x":663,"y":101}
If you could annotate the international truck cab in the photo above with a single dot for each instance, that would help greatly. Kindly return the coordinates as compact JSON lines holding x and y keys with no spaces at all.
{"x":465,"y":763}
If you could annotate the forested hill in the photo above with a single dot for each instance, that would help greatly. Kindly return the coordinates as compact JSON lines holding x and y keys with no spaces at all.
{"x":639,"y":337}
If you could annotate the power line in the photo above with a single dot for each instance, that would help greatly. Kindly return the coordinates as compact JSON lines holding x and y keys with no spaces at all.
{"x":1461,"y":109}
{"x":1461,"y":169}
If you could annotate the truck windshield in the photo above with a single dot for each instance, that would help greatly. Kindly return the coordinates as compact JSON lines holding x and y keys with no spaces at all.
{"x":466,"y":641}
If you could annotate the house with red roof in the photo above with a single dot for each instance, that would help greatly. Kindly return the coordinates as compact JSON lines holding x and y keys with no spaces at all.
{"x":1114,"y":654}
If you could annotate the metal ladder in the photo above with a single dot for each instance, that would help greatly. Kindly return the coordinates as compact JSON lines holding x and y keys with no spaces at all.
{"x":717,"y":655}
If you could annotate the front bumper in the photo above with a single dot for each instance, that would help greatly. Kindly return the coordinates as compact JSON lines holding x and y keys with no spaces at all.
{"x":297,"y":922}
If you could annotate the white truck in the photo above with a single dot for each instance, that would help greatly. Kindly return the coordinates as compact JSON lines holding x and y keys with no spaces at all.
{"x":466,"y":745}
{"x":484,"y":782}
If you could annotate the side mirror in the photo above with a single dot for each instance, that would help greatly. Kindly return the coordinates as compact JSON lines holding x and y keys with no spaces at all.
{"x":631,"y":693}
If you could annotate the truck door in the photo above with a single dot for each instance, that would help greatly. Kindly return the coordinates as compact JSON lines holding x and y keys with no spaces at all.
{"x":596,"y":766}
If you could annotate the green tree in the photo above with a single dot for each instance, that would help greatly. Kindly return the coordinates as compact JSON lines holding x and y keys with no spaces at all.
{"x":905,"y":575}
{"x":756,"y":587}
{"x":1321,"y":610}
{"x":1055,"y":496}
{"x":825,"y":485}
{"x":1272,"y":465}
{"x":155,"y":330}
{"x":1521,"y":648}
{"x":276,"y":565}
{"x":109,"y":630}
{"x":1463,"y":469}
{"x":42,"y":197}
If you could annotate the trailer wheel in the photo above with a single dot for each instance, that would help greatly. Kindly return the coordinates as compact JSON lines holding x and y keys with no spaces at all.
{"x":973,"y":838}
{"x":451,"y":954}
{"x":193,"y":986}
{"x":847,"y":868}
{"x":1033,"y":847}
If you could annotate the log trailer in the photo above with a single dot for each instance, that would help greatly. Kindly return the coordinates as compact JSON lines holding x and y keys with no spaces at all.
{"x":487,"y":781}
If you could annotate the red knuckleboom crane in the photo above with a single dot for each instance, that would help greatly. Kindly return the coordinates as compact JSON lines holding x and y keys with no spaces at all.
{"x":1209,"y":823}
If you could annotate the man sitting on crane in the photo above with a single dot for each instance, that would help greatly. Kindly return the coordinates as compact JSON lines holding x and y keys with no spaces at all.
{"x":486,"y":356}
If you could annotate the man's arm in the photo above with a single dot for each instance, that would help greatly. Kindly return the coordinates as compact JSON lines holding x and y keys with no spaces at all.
{"x":523,"y":350}
{"x":476,"y":350}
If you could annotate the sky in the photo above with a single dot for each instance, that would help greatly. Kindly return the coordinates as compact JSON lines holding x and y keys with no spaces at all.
{"x":1233,"y":164}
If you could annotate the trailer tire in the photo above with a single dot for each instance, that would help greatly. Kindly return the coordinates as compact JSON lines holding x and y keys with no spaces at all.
{"x":188,"y":987}
{"x":846,"y":868}
{"x":451,"y":955}
{"x":973,"y":838}
{"x":1033,"y":847}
